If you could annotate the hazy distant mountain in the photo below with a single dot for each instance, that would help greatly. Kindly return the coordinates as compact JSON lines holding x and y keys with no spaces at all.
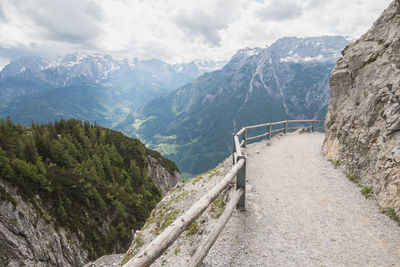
{"x":193,"y":125}
{"x":35,"y":88}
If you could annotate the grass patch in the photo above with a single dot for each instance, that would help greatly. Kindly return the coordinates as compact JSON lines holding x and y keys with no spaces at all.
{"x":218,"y":206}
{"x":392,"y":214}
{"x":366,"y":191}
{"x":196,"y":179}
{"x":336,"y":164}
{"x":177,"y":198}
{"x":170,"y":218}
{"x":177,"y":250}
{"x":127,"y":257}
{"x":163,"y":262}
{"x":380,"y":41}
{"x":139,"y":241}
{"x":150,"y":220}
{"x":193,"y":229}
{"x":371,"y":59}
{"x":353,"y":179}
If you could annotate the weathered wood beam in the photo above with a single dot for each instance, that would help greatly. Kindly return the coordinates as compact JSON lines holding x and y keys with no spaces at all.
{"x":241,"y":131}
{"x":206,"y":245}
{"x":237,"y":145}
{"x":242,"y":143}
{"x":155,"y":248}
{"x":257,"y":136}
{"x":278,"y":130}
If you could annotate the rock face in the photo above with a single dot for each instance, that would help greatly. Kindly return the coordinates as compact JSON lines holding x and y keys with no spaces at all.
{"x":161,"y":177}
{"x":27,"y":239}
{"x":363,"y":120}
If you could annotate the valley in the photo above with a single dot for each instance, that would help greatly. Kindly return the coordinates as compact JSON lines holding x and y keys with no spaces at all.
{"x":288,"y":80}
{"x":184,"y":111}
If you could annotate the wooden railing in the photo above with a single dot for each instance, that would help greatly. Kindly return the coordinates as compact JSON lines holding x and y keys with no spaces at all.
{"x":155,"y":248}
{"x":313,"y":125}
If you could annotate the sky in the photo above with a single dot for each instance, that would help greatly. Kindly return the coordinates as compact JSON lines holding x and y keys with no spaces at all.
{"x":172,"y":30}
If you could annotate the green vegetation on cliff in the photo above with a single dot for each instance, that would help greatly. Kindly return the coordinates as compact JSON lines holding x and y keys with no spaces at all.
{"x":89,"y":179}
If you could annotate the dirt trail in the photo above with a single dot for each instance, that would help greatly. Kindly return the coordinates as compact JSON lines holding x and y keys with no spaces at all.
{"x":303,"y":212}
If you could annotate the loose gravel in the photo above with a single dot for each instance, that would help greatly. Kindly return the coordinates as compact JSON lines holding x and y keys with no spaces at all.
{"x":301,"y":211}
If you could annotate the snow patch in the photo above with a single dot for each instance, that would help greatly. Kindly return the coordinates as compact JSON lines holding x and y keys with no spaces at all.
{"x":298,"y":59}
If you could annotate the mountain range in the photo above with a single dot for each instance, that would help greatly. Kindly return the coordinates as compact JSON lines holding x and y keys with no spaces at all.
{"x":87,"y":86}
{"x":194,"y":124}
{"x":186,"y":111}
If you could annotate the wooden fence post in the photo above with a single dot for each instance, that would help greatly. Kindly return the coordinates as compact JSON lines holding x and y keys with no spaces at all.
{"x":241,"y":183}
{"x":313,"y":125}
{"x":245,"y":137}
{"x":233,"y":149}
{"x":269,"y":131}
{"x":285,"y":130}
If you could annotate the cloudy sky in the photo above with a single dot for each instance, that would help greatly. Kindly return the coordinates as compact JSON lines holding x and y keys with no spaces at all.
{"x":172,"y":30}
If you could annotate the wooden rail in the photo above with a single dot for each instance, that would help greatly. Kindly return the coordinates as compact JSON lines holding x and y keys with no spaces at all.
{"x":244,"y":131}
{"x":206,"y":245}
{"x":155,"y":248}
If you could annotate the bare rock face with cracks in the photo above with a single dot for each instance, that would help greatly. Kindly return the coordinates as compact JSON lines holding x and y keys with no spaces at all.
{"x":363,"y":120}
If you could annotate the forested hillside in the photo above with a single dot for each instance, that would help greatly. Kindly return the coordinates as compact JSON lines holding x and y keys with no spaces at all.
{"x":88,"y":179}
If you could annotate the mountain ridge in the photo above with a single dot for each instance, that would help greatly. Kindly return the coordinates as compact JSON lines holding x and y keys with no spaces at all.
{"x":91,"y":87}
{"x":255,"y":86}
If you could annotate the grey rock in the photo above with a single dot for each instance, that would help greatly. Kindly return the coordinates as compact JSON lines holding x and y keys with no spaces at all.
{"x":363,"y":119}
{"x":107,"y":261}
{"x":27,"y":239}
{"x":161,"y":177}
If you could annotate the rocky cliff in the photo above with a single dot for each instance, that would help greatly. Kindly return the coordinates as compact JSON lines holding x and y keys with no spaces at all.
{"x":28,"y":237}
{"x":162,"y":177}
{"x":363,"y":120}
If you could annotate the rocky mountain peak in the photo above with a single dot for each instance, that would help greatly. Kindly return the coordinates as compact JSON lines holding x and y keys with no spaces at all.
{"x":93,"y":67}
{"x":241,"y":56}
{"x":363,"y":120}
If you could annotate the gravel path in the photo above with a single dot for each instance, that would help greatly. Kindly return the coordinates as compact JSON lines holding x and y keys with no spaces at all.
{"x":303,"y":212}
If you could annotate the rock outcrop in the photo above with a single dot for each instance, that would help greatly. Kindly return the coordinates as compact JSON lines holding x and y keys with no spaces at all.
{"x":363,"y":120}
{"x":28,"y":239}
{"x":161,"y":177}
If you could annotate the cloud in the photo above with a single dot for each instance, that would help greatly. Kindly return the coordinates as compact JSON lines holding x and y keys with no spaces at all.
{"x":207,"y":20}
{"x":73,"y":21}
{"x":2,"y":14}
{"x":172,"y":30}
{"x":279,"y":10}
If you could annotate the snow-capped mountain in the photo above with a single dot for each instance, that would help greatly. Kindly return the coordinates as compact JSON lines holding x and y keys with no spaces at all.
{"x":95,"y":68}
{"x":33,"y":74}
{"x":88,"y":86}
{"x":287,"y":80}
{"x":312,"y":49}
{"x":60,"y":71}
